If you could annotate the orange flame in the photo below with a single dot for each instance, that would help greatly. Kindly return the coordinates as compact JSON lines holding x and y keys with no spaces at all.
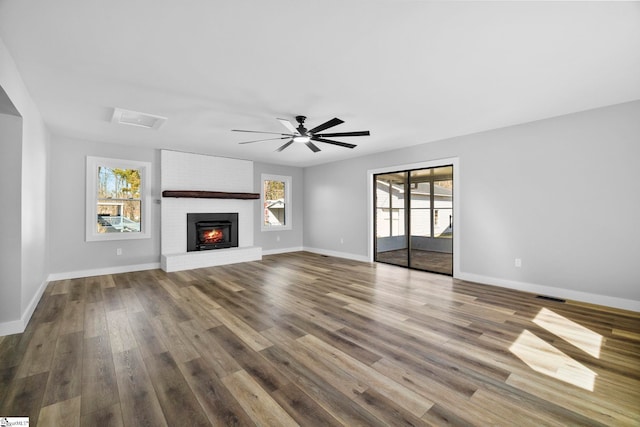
{"x":213,"y":236}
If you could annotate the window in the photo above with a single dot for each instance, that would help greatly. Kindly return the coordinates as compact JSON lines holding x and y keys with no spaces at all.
{"x":118,"y":199}
{"x":276,"y":202}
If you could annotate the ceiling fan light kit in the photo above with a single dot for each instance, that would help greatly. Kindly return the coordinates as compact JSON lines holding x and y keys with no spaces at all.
{"x":306,"y":136}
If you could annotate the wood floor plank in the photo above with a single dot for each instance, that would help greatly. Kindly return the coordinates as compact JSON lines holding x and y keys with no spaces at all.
{"x":95,"y":320}
{"x":51,"y":309}
{"x":130,"y":300}
{"x":78,"y":290}
{"x":146,"y":338}
{"x":93,"y":290}
{"x":206,"y":301}
{"x":261,"y":407}
{"x":179,"y":405}
{"x":387,"y":410}
{"x":209,"y":348}
{"x":38,"y":355}
{"x":248,"y":335}
{"x":120,"y":332}
{"x":65,"y":413}
{"x":214,"y":397}
{"x":171,"y":288}
{"x":60,"y":287}
{"x":72,"y":317}
{"x":191,"y":304}
{"x":13,"y":348}
{"x":6,"y":376}
{"x":251,"y":361}
{"x":584,"y":408}
{"x":110,"y":416}
{"x":335,"y":339}
{"x":65,"y":377}
{"x":99,"y":383}
{"x":329,"y":398}
{"x":111,"y":298}
{"x":414,"y":403}
{"x":302,"y":408}
{"x":174,"y":339}
{"x":138,"y":400}
{"x":24,"y":397}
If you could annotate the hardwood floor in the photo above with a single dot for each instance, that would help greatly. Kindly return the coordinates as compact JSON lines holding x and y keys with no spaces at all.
{"x":435,"y":262}
{"x":303,"y":339}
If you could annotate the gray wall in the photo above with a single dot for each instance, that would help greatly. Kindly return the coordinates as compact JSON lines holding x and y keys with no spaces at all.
{"x":10,"y":219}
{"x":69,"y":250}
{"x":289,"y":239}
{"x":540,"y":191}
{"x":27,"y":164}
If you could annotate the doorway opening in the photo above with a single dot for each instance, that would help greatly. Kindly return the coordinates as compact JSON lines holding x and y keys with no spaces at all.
{"x":413,"y":218}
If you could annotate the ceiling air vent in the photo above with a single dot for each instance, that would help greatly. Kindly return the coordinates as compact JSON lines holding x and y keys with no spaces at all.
{"x":134,"y":118}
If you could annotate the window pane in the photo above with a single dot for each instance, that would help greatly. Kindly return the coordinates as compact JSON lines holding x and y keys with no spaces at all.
{"x":397,"y":222}
{"x":443,"y":223}
{"x":382,"y":193}
{"x":274,"y":203}
{"x":118,"y":216}
{"x":118,"y":183}
{"x":421,"y":222}
{"x":118,"y":203}
{"x":383,"y":220}
{"x":443,"y":208}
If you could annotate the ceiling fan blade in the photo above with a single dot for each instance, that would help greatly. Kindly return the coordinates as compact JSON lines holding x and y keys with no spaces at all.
{"x":328,"y":141}
{"x":288,"y":143}
{"x":259,"y":131}
{"x":326,"y":125}
{"x":289,"y":126}
{"x":357,"y":133}
{"x":261,"y":140}
{"x":312,"y":146}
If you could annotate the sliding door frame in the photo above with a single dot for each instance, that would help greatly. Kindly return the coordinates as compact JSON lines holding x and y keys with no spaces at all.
{"x":452,"y":161}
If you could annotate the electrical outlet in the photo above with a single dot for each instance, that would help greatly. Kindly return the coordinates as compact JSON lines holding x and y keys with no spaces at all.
{"x":342,"y":240}
{"x":119,"y":251}
{"x":518,"y":262}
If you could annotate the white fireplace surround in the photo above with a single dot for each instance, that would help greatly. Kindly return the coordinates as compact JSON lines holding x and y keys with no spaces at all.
{"x":187,"y":172}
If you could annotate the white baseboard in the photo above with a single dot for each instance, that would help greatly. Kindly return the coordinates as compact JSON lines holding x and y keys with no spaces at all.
{"x":346,"y":255}
{"x":102,"y":271}
{"x":282,"y":250}
{"x":12,"y":327}
{"x":18,"y":326}
{"x":621,"y":303}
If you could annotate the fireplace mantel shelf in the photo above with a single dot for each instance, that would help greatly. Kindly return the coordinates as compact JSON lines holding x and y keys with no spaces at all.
{"x":193,"y":194}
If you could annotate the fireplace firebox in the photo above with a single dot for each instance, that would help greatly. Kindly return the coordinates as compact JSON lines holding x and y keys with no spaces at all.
{"x":207,"y":231}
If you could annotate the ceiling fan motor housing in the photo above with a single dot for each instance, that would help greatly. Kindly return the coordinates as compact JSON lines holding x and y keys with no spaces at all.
{"x":301,"y":128}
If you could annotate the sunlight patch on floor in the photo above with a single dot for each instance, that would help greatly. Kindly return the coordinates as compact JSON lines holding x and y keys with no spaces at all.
{"x":585,"y":339}
{"x":544,"y":358}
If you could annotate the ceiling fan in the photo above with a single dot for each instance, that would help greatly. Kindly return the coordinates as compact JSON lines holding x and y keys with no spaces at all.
{"x":306,"y":136}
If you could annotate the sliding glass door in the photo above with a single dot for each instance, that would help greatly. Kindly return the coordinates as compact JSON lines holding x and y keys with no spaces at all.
{"x":414,"y":219}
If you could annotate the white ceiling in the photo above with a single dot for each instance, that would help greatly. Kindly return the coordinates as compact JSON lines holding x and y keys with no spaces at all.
{"x":408,"y":71}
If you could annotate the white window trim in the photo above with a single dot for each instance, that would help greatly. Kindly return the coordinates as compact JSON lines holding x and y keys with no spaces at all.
{"x":287,"y":202}
{"x":91,"y":234}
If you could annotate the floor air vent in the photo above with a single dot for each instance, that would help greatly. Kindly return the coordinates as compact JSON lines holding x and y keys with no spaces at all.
{"x":551,"y":298}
